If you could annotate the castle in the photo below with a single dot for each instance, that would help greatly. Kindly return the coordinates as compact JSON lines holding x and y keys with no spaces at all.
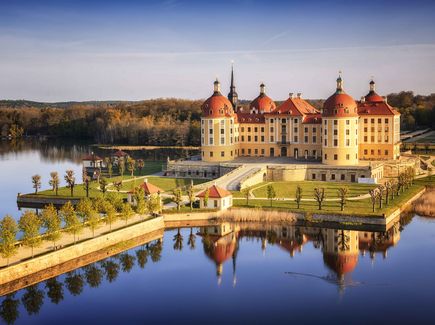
{"x":344,"y":132}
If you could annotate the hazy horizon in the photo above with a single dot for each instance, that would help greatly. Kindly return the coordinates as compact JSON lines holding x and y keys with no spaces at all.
{"x":56,"y":51}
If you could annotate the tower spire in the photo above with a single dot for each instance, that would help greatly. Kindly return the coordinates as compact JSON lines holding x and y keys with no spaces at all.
{"x":232,"y":95}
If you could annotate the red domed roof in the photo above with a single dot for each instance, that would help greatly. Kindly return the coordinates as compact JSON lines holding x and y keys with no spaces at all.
{"x":217,"y":106}
{"x":372,"y":96}
{"x":341,"y":263}
{"x":340,"y":104}
{"x":263,"y":103}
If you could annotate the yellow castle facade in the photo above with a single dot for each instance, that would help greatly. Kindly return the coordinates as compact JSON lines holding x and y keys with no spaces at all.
{"x":343,"y":132}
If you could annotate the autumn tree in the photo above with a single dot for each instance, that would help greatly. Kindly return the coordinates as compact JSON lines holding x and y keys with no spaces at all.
{"x":51,"y":221}
{"x":127,"y":212}
{"x":36,"y":181}
{"x":271,"y":194}
{"x":70,"y":180}
{"x":178,"y":197}
{"x":54,"y":181}
{"x":30,"y":225}
{"x":71,"y":220}
{"x":8,"y":237}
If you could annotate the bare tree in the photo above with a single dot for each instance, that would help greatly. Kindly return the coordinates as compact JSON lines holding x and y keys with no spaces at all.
{"x":373,"y":196}
{"x":70,"y":180}
{"x":342,"y":194}
{"x":319,"y":196}
{"x":298,"y":195}
{"x":36,"y":180}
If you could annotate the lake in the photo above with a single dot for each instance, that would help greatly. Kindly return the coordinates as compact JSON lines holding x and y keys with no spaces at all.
{"x":230,"y":273}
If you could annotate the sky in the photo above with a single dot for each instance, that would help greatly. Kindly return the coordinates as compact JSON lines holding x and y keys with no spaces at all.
{"x":133,"y":50}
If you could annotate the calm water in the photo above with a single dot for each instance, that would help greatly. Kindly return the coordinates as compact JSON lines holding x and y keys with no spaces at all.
{"x":234,"y":273}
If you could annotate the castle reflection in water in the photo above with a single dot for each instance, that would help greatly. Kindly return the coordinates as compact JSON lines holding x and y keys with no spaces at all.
{"x":340,"y":247}
{"x":220,"y":242}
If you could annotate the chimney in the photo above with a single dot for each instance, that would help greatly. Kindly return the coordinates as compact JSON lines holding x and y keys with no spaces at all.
{"x":363,"y":99}
{"x":385,"y":99}
{"x":299,"y":95}
{"x":290,"y":95}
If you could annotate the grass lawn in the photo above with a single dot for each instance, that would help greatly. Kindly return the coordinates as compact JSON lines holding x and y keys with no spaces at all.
{"x":64,"y":192}
{"x":165,"y":183}
{"x":288,"y":189}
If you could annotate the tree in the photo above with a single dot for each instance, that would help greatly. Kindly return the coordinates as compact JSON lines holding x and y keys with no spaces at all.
{"x":154,"y":203}
{"x":394,"y":189}
{"x":373,"y":196}
{"x":116,"y":200}
{"x":298,"y":195}
{"x":8,"y":237}
{"x":121,"y":167}
{"x":178,"y":199}
{"x":191,"y":195}
{"x":86,"y":184}
{"x":140,"y":165}
{"x":70,"y":180}
{"x":111,"y":214}
{"x":103,"y":185}
{"x":131,"y":165}
{"x":388,"y":187}
{"x":271,"y":194}
{"x":139,"y":195}
{"x":72,"y":222}
{"x":83,"y":208}
{"x":54,"y":181}
{"x":109,"y":166}
{"x":51,"y":221}
{"x":206,"y":197}
{"x":319,"y":196}
{"x":381,"y":191}
{"x":36,"y":181}
{"x":342,"y":195}
{"x":9,"y":309}
{"x":93,"y":221}
{"x":54,"y":290}
{"x":127,"y":212}
{"x":245,"y":193}
{"x":30,"y":224}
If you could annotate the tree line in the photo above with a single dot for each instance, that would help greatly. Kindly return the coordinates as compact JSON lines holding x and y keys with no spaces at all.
{"x":71,"y":220}
{"x":153,"y":122}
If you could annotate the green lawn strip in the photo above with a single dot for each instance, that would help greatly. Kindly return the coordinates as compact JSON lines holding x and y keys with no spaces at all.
{"x":165,"y":183}
{"x":288,"y":189}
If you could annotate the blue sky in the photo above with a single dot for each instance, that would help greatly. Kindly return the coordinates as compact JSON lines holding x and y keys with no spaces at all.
{"x":132,"y":50}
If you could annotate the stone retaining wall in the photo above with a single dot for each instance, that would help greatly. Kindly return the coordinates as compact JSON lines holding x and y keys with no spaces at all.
{"x":63,"y":255}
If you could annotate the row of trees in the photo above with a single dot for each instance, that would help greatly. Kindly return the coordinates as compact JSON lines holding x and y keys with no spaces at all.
{"x":150,"y":122}
{"x":54,"y":181}
{"x":68,"y":219}
{"x":75,"y":281}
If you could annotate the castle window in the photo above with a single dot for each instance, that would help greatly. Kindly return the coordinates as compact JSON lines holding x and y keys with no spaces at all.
{"x":243,"y":138}
{"x":256,"y":138}
{"x":335,"y":157}
{"x":347,"y":157}
{"x":249,"y":152}
{"x":211,"y":153}
{"x":249,"y":138}
{"x":386,"y":121}
{"x":313,"y":176}
{"x":262,"y":138}
{"x":271,"y":120}
{"x":347,"y":142}
{"x":365,"y":129}
{"x":249,"y":129}
{"x":335,"y":131}
{"x":296,"y":121}
{"x":210,"y":131}
{"x":326,"y":122}
{"x":342,"y":177}
{"x":222,"y":131}
{"x":306,"y":139}
{"x":326,"y":131}
{"x":314,"y":129}
{"x":333,"y":177}
{"x":335,"y":122}
{"x":306,"y":130}
{"x":335,"y":142}
{"x":210,"y":141}
{"x":314,"y":139}
{"x":243,"y":129}
{"x":372,"y":152}
{"x":365,"y":138}
{"x":347,"y":122}
{"x":256,"y":152}
{"x":222,"y":153}
{"x":347,"y":132}
{"x":372,"y":120}
{"x":335,"y":112}
{"x":386,"y":152}
{"x":326,"y":156}
{"x":262,"y":129}
{"x":271,"y":129}
{"x":256,"y":130}
{"x":262,"y":152}
{"x":295,"y":130}
{"x":365,"y":120}
{"x":283,"y":121}
{"x":365,"y":151}
{"x":379,"y":120}
{"x":296,"y":138}
{"x":243,"y":152}
{"x":326,"y":142}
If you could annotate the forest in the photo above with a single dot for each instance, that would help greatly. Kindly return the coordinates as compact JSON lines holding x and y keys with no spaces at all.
{"x":166,"y":121}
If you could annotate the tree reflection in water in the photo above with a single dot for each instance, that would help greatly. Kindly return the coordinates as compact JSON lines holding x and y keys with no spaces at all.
{"x":54,"y":290}
{"x":287,"y":237}
{"x":33,"y":299}
{"x":9,"y":309}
